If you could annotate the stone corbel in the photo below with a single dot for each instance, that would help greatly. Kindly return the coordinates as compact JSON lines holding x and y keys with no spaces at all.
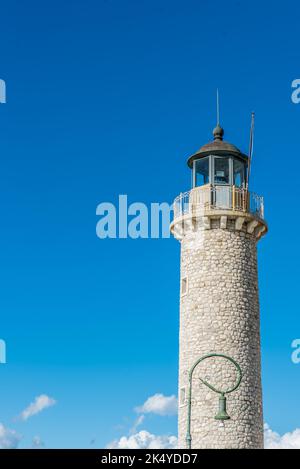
{"x":251,"y":226}
{"x":223,"y":222}
{"x":239,"y":223}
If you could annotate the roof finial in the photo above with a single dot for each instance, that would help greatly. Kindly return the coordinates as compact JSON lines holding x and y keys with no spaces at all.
{"x":218,"y":132}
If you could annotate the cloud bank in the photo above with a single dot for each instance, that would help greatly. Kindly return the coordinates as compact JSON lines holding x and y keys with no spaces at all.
{"x":9,"y":439}
{"x":144,"y":440}
{"x":290,"y":440}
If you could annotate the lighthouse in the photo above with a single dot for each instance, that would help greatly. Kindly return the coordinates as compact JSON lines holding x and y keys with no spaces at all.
{"x":218,"y":223}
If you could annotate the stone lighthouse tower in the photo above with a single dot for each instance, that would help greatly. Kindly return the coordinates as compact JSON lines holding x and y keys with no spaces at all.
{"x":218,"y":223}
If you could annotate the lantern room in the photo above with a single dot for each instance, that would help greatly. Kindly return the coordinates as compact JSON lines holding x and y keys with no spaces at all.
{"x":219,"y":163}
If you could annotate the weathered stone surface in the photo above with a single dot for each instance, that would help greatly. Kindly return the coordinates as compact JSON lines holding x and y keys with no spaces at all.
{"x":219,"y":313}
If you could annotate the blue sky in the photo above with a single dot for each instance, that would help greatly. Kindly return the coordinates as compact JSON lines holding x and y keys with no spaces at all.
{"x":109,"y":97}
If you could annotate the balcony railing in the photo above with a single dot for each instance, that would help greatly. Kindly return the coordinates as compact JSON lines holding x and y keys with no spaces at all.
{"x":207,"y":198}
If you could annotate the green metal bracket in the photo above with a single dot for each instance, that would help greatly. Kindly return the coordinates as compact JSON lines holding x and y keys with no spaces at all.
{"x":222,"y":414}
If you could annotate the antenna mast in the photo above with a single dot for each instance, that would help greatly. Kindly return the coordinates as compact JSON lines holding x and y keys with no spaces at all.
{"x":218,"y":108}
{"x":250,"y":149}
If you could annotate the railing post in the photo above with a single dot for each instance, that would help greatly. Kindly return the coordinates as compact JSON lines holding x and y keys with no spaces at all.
{"x":233,"y":197}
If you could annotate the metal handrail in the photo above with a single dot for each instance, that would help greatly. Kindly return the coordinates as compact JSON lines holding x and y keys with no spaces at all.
{"x":218,"y":197}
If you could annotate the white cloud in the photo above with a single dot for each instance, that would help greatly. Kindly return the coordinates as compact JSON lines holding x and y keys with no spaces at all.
{"x":37,"y":442}
{"x":9,"y":439}
{"x":290,"y":440}
{"x":137,"y":423}
{"x":159,"y":404}
{"x":40,"y":403}
{"x":144,"y":440}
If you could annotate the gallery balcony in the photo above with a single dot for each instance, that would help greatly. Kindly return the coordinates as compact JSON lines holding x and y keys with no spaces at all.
{"x":219,"y":202}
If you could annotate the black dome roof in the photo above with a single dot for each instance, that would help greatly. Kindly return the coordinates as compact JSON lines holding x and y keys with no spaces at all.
{"x":217,"y":147}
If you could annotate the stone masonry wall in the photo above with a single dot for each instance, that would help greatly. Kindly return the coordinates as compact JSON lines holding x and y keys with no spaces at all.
{"x":220,"y":314}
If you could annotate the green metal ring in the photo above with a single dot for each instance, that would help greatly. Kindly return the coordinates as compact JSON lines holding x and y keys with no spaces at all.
{"x":224,"y":414}
{"x":237,"y":366}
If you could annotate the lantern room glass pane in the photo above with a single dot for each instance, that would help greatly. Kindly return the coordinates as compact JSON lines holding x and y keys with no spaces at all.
{"x":222,"y":172}
{"x":201,"y":169}
{"x":238,"y":173}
